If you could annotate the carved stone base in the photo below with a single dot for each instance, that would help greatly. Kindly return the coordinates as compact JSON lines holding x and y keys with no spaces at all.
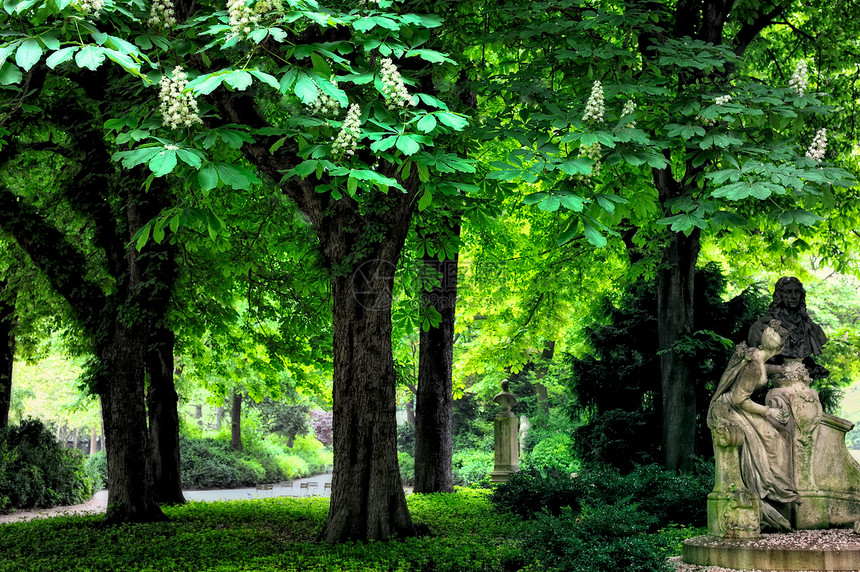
{"x":751,"y":555}
{"x":733,"y":515}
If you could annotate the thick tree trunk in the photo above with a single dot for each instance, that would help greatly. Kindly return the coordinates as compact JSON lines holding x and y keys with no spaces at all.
{"x":131,"y":497}
{"x":675,"y":320}
{"x":367,"y":500}
{"x":7,"y":357}
{"x":410,"y":410}
{"x":161,"y":401}
{"x":433,"y":411}
{"x":236,"y":422}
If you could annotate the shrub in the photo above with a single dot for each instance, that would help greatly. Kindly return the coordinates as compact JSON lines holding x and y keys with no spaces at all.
{"x":665,"y":496}
{"x":407,"y":468}
{"x":406,"y":438}
{"x":471,"y":466}
{"x":600,"y":537}
{"x":293,"y":466}
{"x":37,"y":471}
{"x":552,"y":454}
{"x":97,"y":466}
{"x":313,"y":452}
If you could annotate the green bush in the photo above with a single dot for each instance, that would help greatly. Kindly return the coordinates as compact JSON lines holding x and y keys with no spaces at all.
{"x":313,"y":452}
{"x":293,"y":466}
{"x":667,"y":497}
{"x":471,"y":466}
{"x":97,"y":466}
{"x":552,"y":454}
{"x":407,"y":468}
{"x":37,"y":471}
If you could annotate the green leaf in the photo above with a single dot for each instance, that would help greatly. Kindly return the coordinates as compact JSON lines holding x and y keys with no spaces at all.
{"x":306,"y":89}
{"x":50,"y":41}
{"x":408,"y":145}
{"x":207,"y":177}
{"x":351,"y":186}
{"x":269,"y":80}
{"x":142,"y":238}
{"x":383,"y":144}
{"x":10,"y":74}
{"x":426,"y":200}
{"x":190,"y":157}
{"x":571,"y":201}
{"x":90,"y":57}
{"x":456,"y":122}
{"x":239,"y":80}
{"x":577,"y":166}
{"x":163,"y":163}
{"x":236,"y":177}
{"x":61,"y":56}
{"x":427,"y":123}
{"x":592,"y":234}
{"x":534,"y":198}
{"x":28,"y":54}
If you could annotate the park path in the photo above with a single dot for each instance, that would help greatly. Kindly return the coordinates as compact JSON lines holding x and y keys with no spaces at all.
{"x":98,"y":503}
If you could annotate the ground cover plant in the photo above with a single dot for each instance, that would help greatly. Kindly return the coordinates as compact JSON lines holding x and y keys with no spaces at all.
{"x":461,"y":532}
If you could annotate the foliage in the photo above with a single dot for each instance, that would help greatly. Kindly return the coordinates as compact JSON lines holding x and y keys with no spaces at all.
{"x":665,"y":496}
{"x":617,"y":385}
{"x":406,"y":462}
{"x":406,"y":438}
{"x":472,"y":466}
{"x":97,"y":466}
{"x":464,"y":535}
{"x":552,"y":455}
{"x":321,"y":422}
{"x":37,"y":471}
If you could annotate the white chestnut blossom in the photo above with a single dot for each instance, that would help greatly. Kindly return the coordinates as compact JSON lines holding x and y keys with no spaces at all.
{"x":178,"y":107}
{"x":799,"y":79}
{"x":594,"y":108}
{"x":819,"y":146}
{"x":347,"y":138}
{"x":629,"y":107}
{"x":243,"y":20}
{"x":593,"y":152}
{"x":393,"y":88}
{"x":324,"y":105}
{"x":162,"y":14}
{"x":91,"y":7}
{"x":723,"y":99}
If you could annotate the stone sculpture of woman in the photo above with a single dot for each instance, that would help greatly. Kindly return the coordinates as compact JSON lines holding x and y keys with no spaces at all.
{"x":766,"y":463}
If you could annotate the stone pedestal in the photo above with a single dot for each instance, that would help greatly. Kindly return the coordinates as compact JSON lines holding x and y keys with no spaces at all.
{"x":506,"y":431}
{"x":732,"y":511}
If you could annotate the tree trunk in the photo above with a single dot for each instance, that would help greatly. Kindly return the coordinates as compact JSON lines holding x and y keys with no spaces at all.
{"x":675,"y":320}
{"x":410,"y":410}
{"x":219,"y":417}
{"x":162,"y":400}
{"x":236,"y":422}
{"x":367,"y":500}
{"x":93,"y":439}
{"x":198,"y":415}
{"x":7,"y":357}
{"x":131,"y":497}
{"x":433,"y":411}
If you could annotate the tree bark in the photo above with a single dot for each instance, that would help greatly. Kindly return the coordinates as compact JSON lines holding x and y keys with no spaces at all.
{"x":93,"y":441}
{"x":219,"y":417}
{"x":674,"y":320}
{"x":236,"y":422}
{"x":161,"y":401}
{"x":7,"y":356}
{"x":198,"y":415}
{"x":433,"y":411}
{"x":131,"y":495}
{"x":367,"y":500}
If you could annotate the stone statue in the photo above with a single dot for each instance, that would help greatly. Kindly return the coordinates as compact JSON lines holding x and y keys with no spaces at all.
{"x":805,"y":337}
{"x":766,"y":459}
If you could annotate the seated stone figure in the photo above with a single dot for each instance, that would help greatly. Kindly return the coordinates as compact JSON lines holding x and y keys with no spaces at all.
{"x":764,"y":443}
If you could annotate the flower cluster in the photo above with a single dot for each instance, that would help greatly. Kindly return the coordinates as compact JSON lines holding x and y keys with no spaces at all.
{"x":819,"y":146}
{"x":393,"y":88}
{"x":799,"y":79}
{"x":723,"y":99}
{"x":629,"y":107}
{"x":368,"y":3}
{"x":593,"y":152}
{"x":242,"y":19}
{"x":162,"y":14}
{"x":594,"y":108}
{"x":91,"y":7}
{"x":347,"y":139}
{"x":324,"y":105}
{"x":178,"y":107}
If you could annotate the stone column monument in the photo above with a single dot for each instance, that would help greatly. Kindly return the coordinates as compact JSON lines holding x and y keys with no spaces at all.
{"x":506,"y":428}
